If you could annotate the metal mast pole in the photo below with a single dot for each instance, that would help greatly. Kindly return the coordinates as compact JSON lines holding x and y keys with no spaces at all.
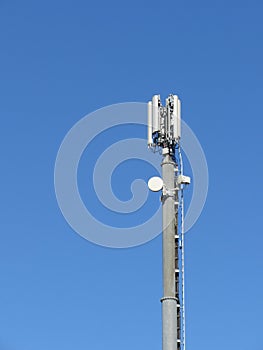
{"x":164,"y":132}
{"x":170,"y":300}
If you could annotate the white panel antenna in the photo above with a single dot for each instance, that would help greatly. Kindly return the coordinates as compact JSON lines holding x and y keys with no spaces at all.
{"x":175,"y":116}
{"x":150,"y":122}
{"x":155,"y":113}
{"x":168,"y":118}
{"x":179,"y":119}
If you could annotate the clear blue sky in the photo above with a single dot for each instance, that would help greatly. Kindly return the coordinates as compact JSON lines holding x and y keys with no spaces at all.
{"x":63,"y":59}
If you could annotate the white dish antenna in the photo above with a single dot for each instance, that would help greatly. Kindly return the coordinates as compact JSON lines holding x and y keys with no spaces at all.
{"x":155,"y":184}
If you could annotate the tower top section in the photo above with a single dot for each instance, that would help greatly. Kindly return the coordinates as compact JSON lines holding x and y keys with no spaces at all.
{"x":164,"y":122}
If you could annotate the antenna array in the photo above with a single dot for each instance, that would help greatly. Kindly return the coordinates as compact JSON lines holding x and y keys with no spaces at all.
{"x":164,"y":122}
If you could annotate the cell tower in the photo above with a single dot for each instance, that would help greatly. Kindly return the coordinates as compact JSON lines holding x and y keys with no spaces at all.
{"x":164,"y":133}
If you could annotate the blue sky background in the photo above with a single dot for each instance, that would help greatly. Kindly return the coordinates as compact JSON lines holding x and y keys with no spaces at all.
{"x":63,"y":59}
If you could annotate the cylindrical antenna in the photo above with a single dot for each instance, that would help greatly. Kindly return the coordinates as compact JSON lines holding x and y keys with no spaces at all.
{"x":155,"y":113}
{"x":175,"y":117}
{"x":168,"y":118}
{"x":150,"y":123}
{"x":179,"y":119}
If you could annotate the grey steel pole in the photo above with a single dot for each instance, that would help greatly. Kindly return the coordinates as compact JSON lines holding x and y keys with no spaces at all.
{"x":170,"y":300}
{"x":164,"y":131}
